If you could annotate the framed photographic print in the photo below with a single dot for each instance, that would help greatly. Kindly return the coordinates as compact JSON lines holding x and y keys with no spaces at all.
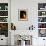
{"x":22,"y":15}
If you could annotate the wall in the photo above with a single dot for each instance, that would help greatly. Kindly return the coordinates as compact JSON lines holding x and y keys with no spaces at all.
{"x":32,"y":10}
{"x":32,"y":16}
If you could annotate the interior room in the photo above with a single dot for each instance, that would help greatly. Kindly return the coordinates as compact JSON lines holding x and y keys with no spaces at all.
{"x":22,"y":22}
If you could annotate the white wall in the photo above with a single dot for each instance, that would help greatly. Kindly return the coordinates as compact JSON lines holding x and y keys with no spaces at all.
{"x":32,"y":10}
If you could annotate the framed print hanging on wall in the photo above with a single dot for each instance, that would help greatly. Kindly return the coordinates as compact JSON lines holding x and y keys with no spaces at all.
{"x":23,"y":15}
